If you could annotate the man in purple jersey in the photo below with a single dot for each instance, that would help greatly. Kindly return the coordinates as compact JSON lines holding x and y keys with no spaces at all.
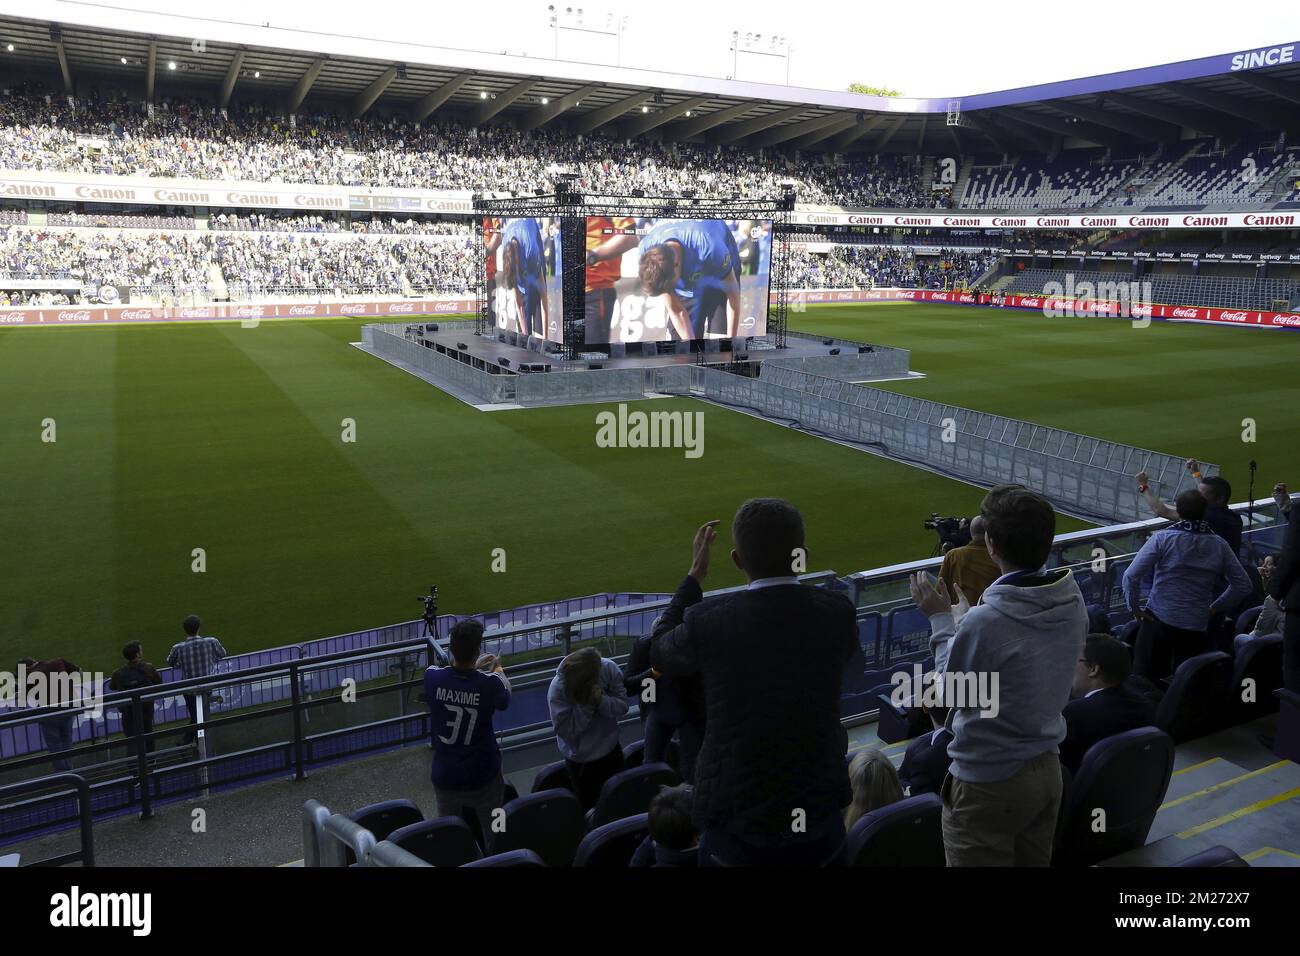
{"x":462,"y":700}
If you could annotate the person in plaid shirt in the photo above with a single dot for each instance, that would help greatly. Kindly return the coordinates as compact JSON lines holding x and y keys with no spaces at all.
{"x":196,"y":656}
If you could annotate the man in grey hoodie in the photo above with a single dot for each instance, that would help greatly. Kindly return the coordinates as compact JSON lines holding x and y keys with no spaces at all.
{"x":1003,"y":791}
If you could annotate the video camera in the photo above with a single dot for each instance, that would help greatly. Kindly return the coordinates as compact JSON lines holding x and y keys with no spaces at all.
{"x":953,"y":532}
{"x":430,"y":602}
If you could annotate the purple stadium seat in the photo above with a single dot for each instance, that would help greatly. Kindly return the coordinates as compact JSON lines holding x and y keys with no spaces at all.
{"x":613,"y":844}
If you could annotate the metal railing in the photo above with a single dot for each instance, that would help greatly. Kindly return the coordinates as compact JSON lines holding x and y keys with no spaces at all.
{"x":318,"y":710}
{"x":85,"y":854}
{"x":1086,"y":476}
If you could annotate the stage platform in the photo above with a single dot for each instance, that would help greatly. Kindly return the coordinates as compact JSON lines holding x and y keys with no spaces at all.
{"x":490,"y":350}
{"x":501,"y":370}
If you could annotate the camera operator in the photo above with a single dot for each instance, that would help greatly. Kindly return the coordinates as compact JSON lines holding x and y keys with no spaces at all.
{"x":969,"y":568}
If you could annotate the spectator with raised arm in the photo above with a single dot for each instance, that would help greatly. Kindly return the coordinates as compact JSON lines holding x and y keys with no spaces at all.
{"x":463,"y":700}
{"x":1180,"y":569}
{"x":1218,"y":495}
{"x":769,"y":782}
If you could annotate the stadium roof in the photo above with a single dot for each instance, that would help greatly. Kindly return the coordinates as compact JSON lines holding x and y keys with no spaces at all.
{"x":159,"y":54}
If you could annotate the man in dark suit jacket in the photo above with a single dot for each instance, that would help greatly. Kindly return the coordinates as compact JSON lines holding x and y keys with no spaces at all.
{"x":1101,"y":704}
{"x":926,"y":762}
{"x":1284,"y":586}
{"x":770,"y":780}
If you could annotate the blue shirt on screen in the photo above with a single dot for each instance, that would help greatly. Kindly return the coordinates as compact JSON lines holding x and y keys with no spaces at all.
{"x":532,"y":250}
{"x":461,"y":707}
{"x":708,"y":250}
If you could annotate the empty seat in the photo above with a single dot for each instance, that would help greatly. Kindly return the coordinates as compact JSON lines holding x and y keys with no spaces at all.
{"x":549,"y":823}
{"x":1214,"y":856}
{"x":444,"y":841}
{"x":629,"y":792}
{"x":613,"y":844}
{"x":382,"y":819}
{"x":551,"y":777}
{"x":510,"y":858}
{"x":1125,"y":777}
{"x":508,"y":793}
{"x":906,"y":833}
{"x":1256,"y":673}
{"x":634,"y":755}
{"x":1193,"y":705}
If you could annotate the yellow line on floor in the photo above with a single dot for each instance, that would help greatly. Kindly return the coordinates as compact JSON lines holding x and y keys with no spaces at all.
{"x":1238,"y":814}
{"x":1224,"y":785}
{"x":1197,"y":766}
{"x":1266,"y":850}
{"x":291,"y":863}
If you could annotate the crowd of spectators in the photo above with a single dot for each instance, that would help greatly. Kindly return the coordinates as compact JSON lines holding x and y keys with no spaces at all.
{"x":97,"y":259}
{"x":195,"y":140}
{"x":762,"y":746}
{"x":860,"y":267}
{"x":107,"y":220}
{"x":251,"y":264}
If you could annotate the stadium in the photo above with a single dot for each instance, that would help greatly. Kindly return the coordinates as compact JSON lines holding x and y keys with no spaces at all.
{"x":350,"y":380}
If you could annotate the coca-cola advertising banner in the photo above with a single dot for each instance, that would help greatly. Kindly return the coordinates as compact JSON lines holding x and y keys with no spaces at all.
{"x":63,"y":187}
{"x":953,"y":220}
{"x":1056,"y":304}
{"x":101,"y":315}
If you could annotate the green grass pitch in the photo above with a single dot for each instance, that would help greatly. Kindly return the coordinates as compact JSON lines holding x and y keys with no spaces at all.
{"x":177,"y":437}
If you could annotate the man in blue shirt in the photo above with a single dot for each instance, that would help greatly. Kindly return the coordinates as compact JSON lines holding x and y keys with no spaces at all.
{"x":523,"y":272}
{"x":693,"y":267}
{"x":462,"y":700}
{"x":1181,"y":568}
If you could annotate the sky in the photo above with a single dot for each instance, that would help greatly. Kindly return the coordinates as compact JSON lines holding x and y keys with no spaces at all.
{"x":940,"y":48}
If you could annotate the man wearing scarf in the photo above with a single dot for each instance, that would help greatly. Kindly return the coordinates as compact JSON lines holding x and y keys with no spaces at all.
{"x":1180,"y":570}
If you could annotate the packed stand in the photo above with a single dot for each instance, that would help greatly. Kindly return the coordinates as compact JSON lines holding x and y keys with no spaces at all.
{"x":861,"y":267}
{"x":191,"y":139}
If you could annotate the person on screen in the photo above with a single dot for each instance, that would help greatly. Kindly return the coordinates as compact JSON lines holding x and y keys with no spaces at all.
{"x":491,"y":243}
{"x":523,"y":267}
{"x":693,"y":267}
{"x":608,"y":237}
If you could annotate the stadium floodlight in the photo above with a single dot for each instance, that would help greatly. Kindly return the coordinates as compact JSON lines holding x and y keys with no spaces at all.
{"x":545,"y":100}
{"x":9,"y":47}
{"x":257,"y":74}
{"x":645,"y":109}
{"x":482,"y":94}
{"x":171,"y":64}
{"x":123,"y":61}
{"x":688,"y":114}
